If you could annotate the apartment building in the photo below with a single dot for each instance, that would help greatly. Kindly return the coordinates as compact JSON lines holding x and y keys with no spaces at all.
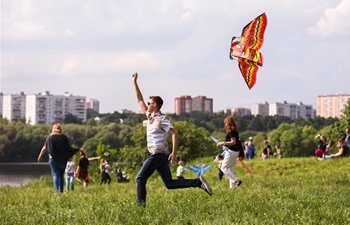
{"x":93,"y":104}
{"x":242,"y":111}
{"x":331,"y":105}
{"x":183,"y":104}
{"x":292,"y":110}
{"x":187,"y":104}
{"x":14,"y":106}
{"x":44,"y":108}
{"x":261,"y":109}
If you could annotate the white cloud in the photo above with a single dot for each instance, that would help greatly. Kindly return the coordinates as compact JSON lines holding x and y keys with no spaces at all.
{"x":334,"y":21}
{"x":180,"y":46}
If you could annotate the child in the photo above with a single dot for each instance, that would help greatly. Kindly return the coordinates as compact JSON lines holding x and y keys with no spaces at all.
{"x":70,"y":174}
{"x":180,"y":169}
{"x":219,"y":159}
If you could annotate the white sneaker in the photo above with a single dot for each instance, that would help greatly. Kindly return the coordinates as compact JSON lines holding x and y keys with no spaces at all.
{"x":205,"y":185}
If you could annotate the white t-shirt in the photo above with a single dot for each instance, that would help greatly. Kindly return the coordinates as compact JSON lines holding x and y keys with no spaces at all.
{"x":157,"y":129}
{"x":179,"y":171}
{"x":70,"y":167}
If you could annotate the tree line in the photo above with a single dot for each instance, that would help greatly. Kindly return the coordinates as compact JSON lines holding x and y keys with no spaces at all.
{"x":126,"y":142}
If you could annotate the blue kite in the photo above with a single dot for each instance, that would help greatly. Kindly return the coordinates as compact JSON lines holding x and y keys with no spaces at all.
{"x":200,"y":169}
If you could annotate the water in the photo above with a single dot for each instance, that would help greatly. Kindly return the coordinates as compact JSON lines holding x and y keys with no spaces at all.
{"x":18,"y":174}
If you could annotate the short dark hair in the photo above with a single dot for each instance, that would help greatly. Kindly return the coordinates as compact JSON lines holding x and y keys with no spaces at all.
{"x":158,"y":100}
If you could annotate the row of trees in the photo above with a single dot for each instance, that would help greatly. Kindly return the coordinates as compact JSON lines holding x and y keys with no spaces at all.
{"x":20,"y":142}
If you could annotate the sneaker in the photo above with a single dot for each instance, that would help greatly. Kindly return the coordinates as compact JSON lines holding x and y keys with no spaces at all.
{"x":205,"y":185}
{"x":238,"y":183}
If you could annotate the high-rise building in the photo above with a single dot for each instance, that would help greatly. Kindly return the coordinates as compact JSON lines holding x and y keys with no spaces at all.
{"x":242,"y":111}
{"x":44,"y":108}
{"x":14,"y":106}
{"x":292,"y":110}
{"x":183,"y":104}
{"x":187,"y":104}
{"x":331,"y":105}
{"x":202,"y":104}
{"x":261,"y":109}
{"x":93,"y":104}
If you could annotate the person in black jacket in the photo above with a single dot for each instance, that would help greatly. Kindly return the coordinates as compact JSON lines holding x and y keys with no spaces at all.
{"x":59,"y":149}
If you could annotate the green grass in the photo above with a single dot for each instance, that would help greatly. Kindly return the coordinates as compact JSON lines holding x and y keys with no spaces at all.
{"x":286,"y":191}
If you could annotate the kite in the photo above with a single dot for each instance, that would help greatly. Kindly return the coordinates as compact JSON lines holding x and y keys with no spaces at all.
{"x":229,"y":153}
{"x":200,"y":169}
{"x":246,"y":49}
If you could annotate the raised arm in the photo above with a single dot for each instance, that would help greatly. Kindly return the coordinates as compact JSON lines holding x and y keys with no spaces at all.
{"x":138,"y":93}
{"x":318,"y":137}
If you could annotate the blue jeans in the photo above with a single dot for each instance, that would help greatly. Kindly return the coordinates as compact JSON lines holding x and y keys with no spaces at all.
{"x":58,"y":176}
{"x":160,"y":163}
{"x":70,"y":181}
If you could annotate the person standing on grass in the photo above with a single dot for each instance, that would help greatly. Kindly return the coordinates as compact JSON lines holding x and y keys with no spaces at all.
{"x":82,"y":173}
{"x":70,"y":175}
{"x":230,"y":156}
{"x":347,"y":138}
{"x":267,"y":151}
{"x":59,"y":149}
{"x":158,"y":157}
{"x":180,"y":170}
{"x":251,"y":148}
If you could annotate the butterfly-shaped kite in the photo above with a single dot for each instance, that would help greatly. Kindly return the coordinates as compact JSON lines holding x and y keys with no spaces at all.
{"x":246,"y":48}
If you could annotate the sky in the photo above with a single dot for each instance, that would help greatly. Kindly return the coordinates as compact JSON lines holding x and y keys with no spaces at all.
{"x":178,"y":47}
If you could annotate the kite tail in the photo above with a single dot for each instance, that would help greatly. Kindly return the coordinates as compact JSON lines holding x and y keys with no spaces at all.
{"x":245,"y":166}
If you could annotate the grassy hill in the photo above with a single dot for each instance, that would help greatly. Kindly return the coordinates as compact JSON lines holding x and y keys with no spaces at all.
{"x":286,"y":191}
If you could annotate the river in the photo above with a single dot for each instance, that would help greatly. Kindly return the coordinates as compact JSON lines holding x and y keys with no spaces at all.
{"x":18,"y":174}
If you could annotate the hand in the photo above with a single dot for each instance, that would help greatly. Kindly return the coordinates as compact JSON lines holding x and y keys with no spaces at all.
{"x":39,"y":159}
{"x":172,"y":158}
{"x":134,"y":75}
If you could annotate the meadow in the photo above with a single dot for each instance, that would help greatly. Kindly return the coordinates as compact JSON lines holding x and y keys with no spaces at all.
{"x":285,"y":191}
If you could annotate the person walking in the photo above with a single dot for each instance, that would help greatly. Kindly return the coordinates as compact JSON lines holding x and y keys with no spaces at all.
{"x":70,"y":174}
{"x":59,"y":149}
{"x":82,"y":173}
{"x":232,"y":153}
{"x":158,"y":126}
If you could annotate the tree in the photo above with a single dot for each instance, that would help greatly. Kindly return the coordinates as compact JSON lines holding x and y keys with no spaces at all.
{"x":70,"y":118}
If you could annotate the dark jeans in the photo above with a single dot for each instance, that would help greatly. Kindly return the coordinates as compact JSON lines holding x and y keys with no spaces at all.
{"x":58,"y":176}
{"x":160,"y":163}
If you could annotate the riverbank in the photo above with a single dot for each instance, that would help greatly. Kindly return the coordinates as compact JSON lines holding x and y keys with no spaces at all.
{"x":18,"y":174}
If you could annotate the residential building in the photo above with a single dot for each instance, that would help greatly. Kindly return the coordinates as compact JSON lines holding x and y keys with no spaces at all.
{"x":44,"y":108}
{"x":261,"y":109}
{"x":124,"y":111}
{"x":187,"y":104}
{"x":14,"y":106}
{"x":202,"y":104}
{"x":292,"y":110}
{"x":93,"y":104}
{"x":331,"y":105}
{"x":242,"y":111}
{"x":183,"y":104}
